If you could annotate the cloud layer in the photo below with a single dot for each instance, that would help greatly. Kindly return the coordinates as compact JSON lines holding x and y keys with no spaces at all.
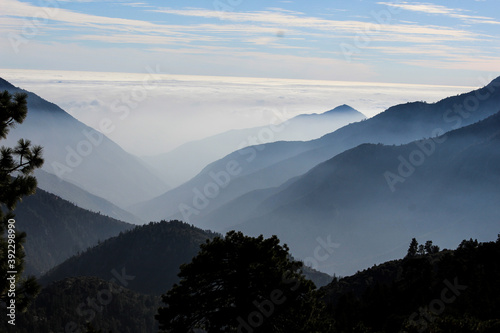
{"x":153,"y":113}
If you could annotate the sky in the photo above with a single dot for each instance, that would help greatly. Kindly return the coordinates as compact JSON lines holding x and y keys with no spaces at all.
{"x":438,"y":42}
{"x":197,"y":68}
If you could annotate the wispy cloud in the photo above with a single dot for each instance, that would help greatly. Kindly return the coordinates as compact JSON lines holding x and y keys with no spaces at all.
{"x":21,"y":9}
{"x":441,"y":53}
{"x":281,"y":19}
{"x":266,"y":34}
{"x":485,"y":64}
{"x":136,"y":4}
{"x":430,"y":8}
{"x":259,"y":28}
{"x":260,"y":24}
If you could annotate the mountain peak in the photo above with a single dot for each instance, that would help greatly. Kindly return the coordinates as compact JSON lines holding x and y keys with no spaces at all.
{"x":342,"y":109}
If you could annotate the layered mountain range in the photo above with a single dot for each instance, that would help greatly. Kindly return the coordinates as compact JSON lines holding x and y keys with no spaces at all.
{"x":369,"y":197}
{"x":367,"y":187}
{"x":186,"y":161}
{"x":372,"y":198}
{"x":273,"y":164}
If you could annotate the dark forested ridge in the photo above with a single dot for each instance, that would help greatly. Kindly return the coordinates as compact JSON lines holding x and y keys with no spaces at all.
{"x":447,"y":292}
{"x":68,"y":305}
{"x":57,"y":229}
{"x":151,"y":254}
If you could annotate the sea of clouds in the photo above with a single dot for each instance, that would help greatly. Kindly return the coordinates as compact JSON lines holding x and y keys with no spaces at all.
{"x":153,"y":113}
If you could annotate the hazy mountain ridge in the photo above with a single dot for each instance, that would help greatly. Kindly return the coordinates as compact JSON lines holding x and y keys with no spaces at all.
{"x":350,"y":197}
{"x":184,"y":162}
{"x":272,"y":164}
{"x":168,"y":203}
{"x":81,"y":155}
{"x":82,"y":198}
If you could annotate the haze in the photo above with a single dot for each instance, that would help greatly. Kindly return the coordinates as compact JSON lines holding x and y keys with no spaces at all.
{"x":154,"y":113}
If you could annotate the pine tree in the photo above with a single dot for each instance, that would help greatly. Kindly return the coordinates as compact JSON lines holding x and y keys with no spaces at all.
{"x":241,"y":283}
{"x":16,"y":181}
{"x":412,"y":250}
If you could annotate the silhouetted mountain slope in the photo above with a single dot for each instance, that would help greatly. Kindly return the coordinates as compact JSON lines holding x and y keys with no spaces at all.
{"x":186,"y":161}
{"x":57,"y":229}
{"x":83,"y":156}
{"x":273,"y":164}
{"x":67,"y":306}
{"x":451,"y":291}
{"x":151,"y":253}
{"x":82,"y":198}
{"x":372,"y":197}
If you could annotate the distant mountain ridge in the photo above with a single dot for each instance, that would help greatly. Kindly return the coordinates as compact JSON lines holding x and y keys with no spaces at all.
{"x":81,"y":155}
{"x":273,"y":164}
{"x":82,"y":198}
{"x":184,"y":162}
{"x":341,"y":109}
{"x":370,"y":198}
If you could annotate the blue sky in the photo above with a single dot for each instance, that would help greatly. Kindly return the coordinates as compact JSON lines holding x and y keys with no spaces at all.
{"x":439,"y":42}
